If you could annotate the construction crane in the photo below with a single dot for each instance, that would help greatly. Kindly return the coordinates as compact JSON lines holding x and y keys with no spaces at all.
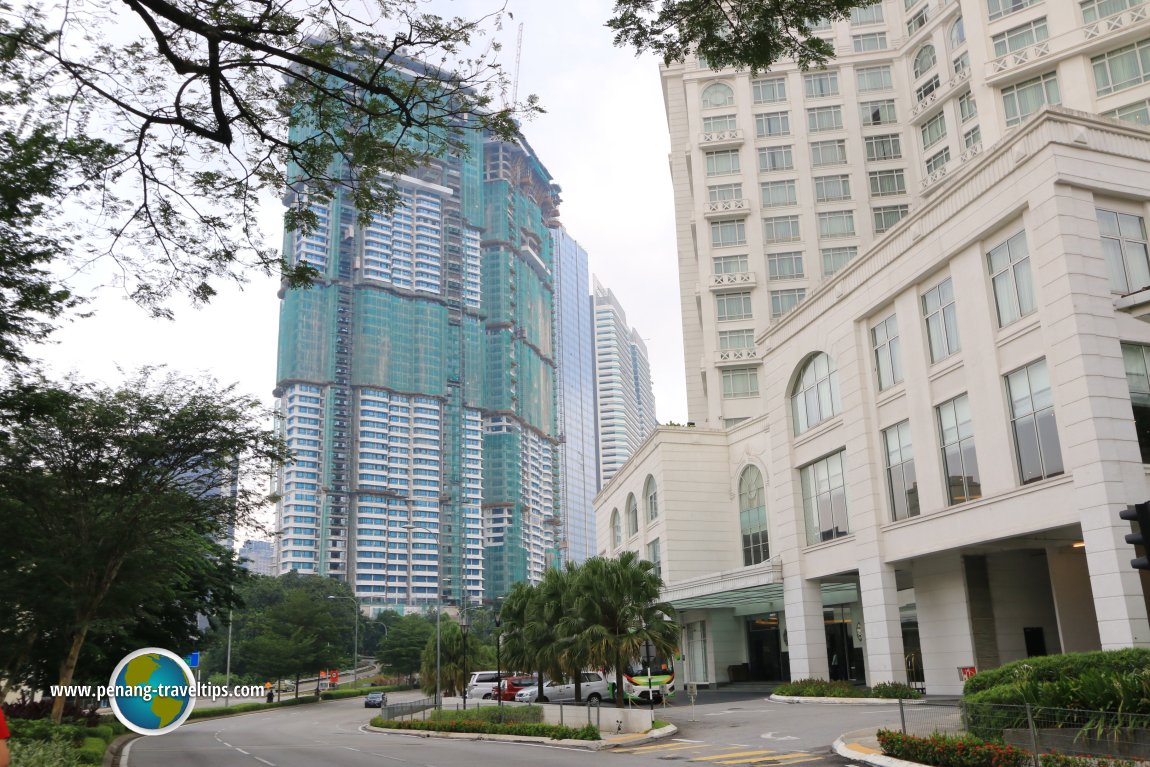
{"x":518,"y":55}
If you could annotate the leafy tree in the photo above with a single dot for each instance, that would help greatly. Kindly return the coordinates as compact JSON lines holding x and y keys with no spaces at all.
{"x":108,"y":493}
{"x":454,"y":669}
{"x":747,"y":34}
{"x":179,"y":130}
{"x":616,"y":611}
{"x":569,"y":649}
{"x":401,"y":649}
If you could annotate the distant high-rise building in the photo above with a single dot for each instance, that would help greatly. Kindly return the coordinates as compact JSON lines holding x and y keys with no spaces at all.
{"x":623,"y":376}
{"x":416,"y":384}
{"x":575,"y":355}
{"x":259,"y":557}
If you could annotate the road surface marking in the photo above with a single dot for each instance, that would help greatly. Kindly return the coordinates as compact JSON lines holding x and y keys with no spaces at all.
{"x":716,"y":757}
{"x":861,"y":747}
{"x":659,"y":747}
{"x":349,"y":748}
{"x":265,"y":761}
{"x":772,"y":736}
{"x":388,"y":756}
{"x":245,"y":753}
{"x":775,"y":758}
{"x":688,"y":740}
{"x":229,"y":745}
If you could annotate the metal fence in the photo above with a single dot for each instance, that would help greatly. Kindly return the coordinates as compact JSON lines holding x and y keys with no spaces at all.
{"x":1036,"y":729}
{"x":410,"y":708}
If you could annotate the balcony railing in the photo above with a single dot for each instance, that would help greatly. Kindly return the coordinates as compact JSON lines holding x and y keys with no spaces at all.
{"x":1011,"y":60}
{"x":970,"y":153}
{"x":1114,"y":23}
{"x":721,"y":208}
{"x":737,"y":356}
{"x":716,"y":137}
{"x":733,"y":280}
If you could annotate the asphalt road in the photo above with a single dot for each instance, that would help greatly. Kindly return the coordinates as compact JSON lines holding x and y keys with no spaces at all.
{"x":721,"y":730}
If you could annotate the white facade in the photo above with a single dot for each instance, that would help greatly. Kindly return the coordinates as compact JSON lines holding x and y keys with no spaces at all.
{"x":626,"y":401}
{"x":890,"y":480}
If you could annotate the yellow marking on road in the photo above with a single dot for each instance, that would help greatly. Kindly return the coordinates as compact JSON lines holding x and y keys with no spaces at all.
{"x":862,"y":748}
{"x":660,"y":747}
{"x":774,"y":758}
{"x":715,"y":757}
{"x":624,"y":738}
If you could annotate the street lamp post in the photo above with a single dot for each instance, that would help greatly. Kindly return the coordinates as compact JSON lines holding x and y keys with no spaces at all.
{"x":355,"y":641}
{"x":464,"y":625}
{"x":498,"y":667}
{"x":410,"y":528}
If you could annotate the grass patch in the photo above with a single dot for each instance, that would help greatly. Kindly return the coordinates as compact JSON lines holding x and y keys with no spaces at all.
{"x":659,"y":724}
{"x":534,"y":729}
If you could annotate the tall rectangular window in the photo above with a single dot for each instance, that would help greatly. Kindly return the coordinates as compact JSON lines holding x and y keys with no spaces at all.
{"x":887,"y":216}
{"x":772,"y":124}
{"x":967,"y":108}
{"x":938,"y":309}
{"x":1124,"y":245}
{"x":724,"y":192}
{"x":959,"y":461}
{"x":831,"y":188}
{"x":886,"y":182}
{"x":736,"y":339}
{"x":917,"y":20}
{"x":874,"y":78}
{"x":1032,"y":420}
{"x":825,"y":498}
{"x":887,"y":352}
{"x":1093,"y":10}
{"x":1023,"y":36}
{"x":1009,"y":265}
{"x":927,"y":88}
{"x":901,"y":481}
{"x":938,"y":160}
{"x":933,"y":130}
{"x":1138,"y":112}
{"x":883,"y":147}
{"x":773,"y":158}
{"x":739,"y":383}
{"x":836,"y":223}
{"x":719,"y":123}
{"x":824,"y":118}
{"x":836,"y":258}
{"x":878,"y":112}
{"x":828,"y":152}
{"x":770,"y":91}
{"x":1022,"y":100}
{"x":785,"y":266}
{"x":733,"y":306}
{"x":1000,"y":8}
{"x":1137,"y":361}
{"x":972,"y":138}
{"x":782,"y":301}
{"x":1121,"y":69}
{"x":723,"y":162}
{"x":654,"y":557}
{"x":821,"y":84}
{"x":778,"y":193}
{"x":727,"y":233}
{"x":873,"y":41}
{"x":781,"y":229}
{"x":730,"y":264}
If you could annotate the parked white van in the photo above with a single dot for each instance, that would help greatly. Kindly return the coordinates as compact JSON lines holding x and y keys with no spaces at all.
{"x":593,"y":687}
{"x":481,"y":683}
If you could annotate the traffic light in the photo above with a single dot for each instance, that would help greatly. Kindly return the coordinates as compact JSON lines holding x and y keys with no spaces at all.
{"x":1140,"y":513}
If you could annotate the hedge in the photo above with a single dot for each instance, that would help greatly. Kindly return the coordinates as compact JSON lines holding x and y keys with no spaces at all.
{"x":56,"y":753}
{"x":1051,"y":668}
{"x":968,"y":751}
{"x":504,"y":714}
{"x":553,"y":731}
{"x":359,"y":692}
{"x":821,"y":688}
{"x":243,"y":708}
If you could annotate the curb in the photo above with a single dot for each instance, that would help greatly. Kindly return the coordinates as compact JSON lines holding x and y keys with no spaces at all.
{"x":845,"y":701}
{"x":586,"y":745}
{"x":116,"y":747}
{"x":844,"y":749}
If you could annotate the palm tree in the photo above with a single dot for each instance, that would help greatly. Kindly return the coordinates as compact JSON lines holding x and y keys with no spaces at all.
{"x":617,"y":612}
{"x":569,"y":652}
{"x":520,"y":650}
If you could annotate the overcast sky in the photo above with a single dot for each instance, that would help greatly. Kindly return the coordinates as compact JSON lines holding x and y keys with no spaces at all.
{"x":604,"y":140}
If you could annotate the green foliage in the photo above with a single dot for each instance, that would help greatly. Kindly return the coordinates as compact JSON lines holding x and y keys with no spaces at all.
{"x":403,"y":646}
{"x":893,"y":690}
{"x":102,"y":731}
{"x":44,"y":753}
{"x":1050,"y":668}
{"x":243,"y":708}
{"x":91,"y":751}
{"x":454,"y":669}
{"x":46,"y":729}
{"x":745,"y":34}
{"x":553,"y":731}
{"x":357,"y":692}
{"x":504,"y":714}
{"x":819,"y":688}
{"x":950,"y":750}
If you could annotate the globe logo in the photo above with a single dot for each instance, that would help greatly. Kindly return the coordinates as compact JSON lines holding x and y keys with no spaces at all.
{"x":152,"y":691}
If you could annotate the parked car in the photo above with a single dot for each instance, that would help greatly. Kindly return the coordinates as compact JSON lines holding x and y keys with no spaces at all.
{"x":481,"y":683}
{"x":509,"y":687}
{"x":375,"y":700}
{"x":593,"y":687}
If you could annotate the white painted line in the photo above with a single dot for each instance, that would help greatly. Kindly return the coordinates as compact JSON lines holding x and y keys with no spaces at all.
{"x":388,"y":756}
{"x":265,"y":761}
{"x":124,"y":754}
{"x":245,"y":753}
{"x":686,"y":740}
{"x":349,"y":748}
{"x":229,"y":745}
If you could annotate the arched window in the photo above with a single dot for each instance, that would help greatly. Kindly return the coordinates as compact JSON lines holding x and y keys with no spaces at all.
{"x":924,"y":60}
{"x":957,"y":34}
{"x":718,"y":95}
{"x":753,"y":517}
{"x":815,"y":397}
{"x":651,"y":498}
{"x":616,"y":529}
{"x":632,"y":515}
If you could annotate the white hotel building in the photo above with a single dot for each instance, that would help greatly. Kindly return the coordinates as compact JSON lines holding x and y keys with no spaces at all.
{"x":919,"y":386}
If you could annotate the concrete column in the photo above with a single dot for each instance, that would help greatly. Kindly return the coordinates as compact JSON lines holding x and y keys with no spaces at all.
{"x":1073,"y":603}
{"x":1091,"y":397}
{"x":943,"y":622}
{"x":882,"y":627}
{"x":806,"y":633}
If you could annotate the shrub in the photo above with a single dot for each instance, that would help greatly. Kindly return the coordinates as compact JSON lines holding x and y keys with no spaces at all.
{"x":1051,"y":668}
{"x":43,"y":753}
{"x":102,"y":731}
{"x":45,"y":730}
{"x":504,"y":714}
{"x":818,"y":688}
{"x":950,"y":750}
{"x":242,"y":708}
{"x":42,"y":709}
{"x":893,"y":690}
{"x":91,"y":751}
{"x":535,"y":729}
{"x":355,"y":692}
